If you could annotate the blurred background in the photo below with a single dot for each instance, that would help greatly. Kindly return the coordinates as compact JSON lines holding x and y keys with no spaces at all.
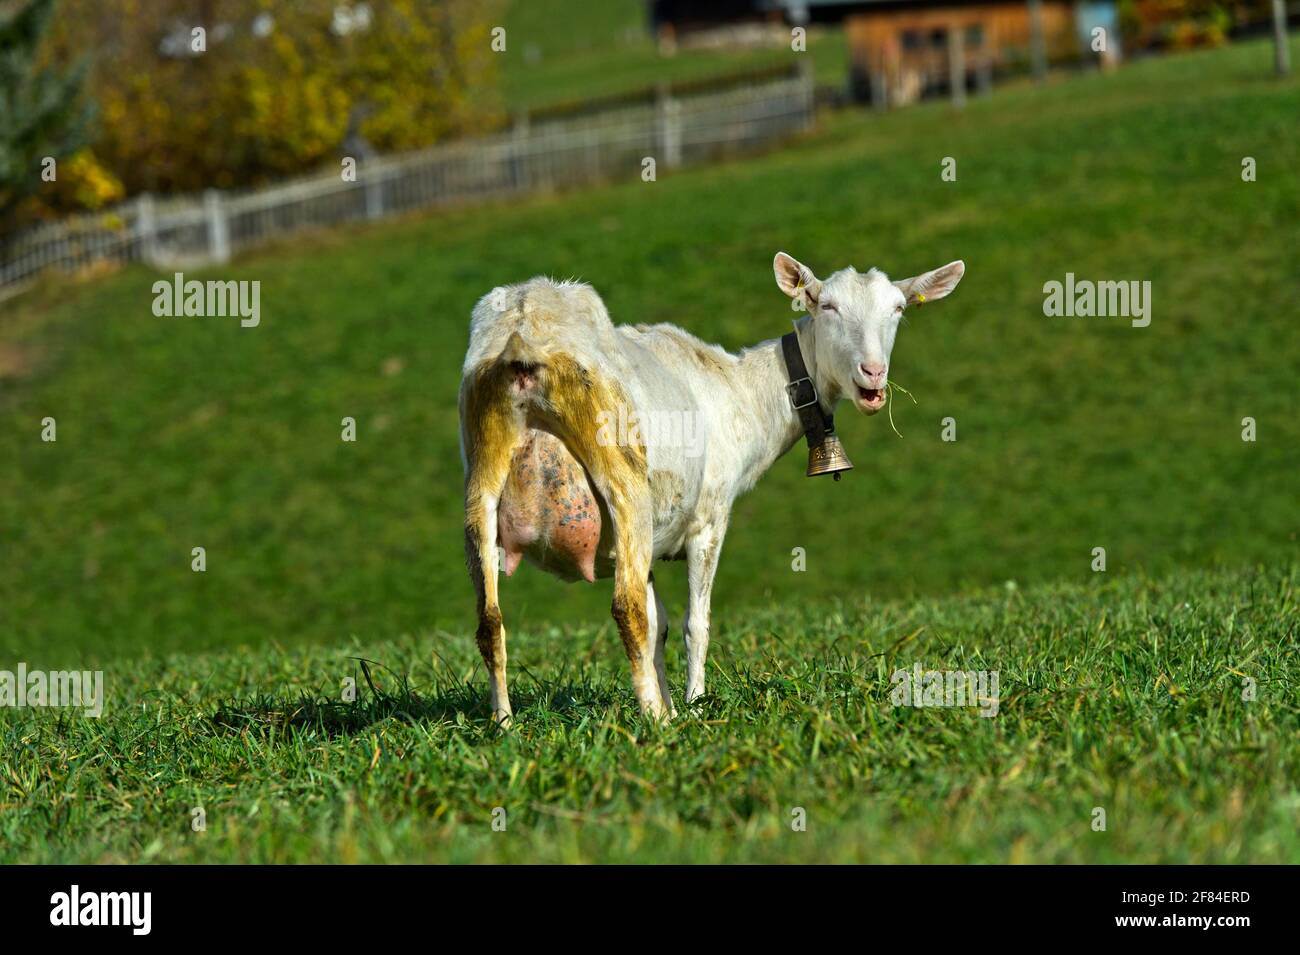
{"x":126,"y":93}
{"x":377,"y":166}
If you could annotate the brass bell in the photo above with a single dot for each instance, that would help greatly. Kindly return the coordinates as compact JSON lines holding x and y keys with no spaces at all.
{"x":828,"y":458}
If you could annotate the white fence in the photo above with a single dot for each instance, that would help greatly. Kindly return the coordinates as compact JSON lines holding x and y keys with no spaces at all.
{"x":673,"y":128}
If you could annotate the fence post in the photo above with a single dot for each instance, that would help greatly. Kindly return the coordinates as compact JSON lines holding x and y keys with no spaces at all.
{"x":146,"y":224}
{"x":522,"y":157}
{"x":218,"y":226}
{"x":1281,"y":52}
{"x":956,"y":66}
{"x":1038,"y":50}
{"x":669,"y":121}
{"x":374,"y":192}
{"x":984,"y":75}
{"x":879,"y":89}
{"x":807,"y":94}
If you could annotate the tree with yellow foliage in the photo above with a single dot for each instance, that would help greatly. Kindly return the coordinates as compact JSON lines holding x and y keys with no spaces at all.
{"x":223,"y":93}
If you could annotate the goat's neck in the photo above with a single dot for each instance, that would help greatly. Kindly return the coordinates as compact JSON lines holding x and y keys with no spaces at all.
{"x":772,"y":426}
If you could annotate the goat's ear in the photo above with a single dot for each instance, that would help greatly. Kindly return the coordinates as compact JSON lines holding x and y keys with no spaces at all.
{"x":796,"y":279}
{"x":932,"y":285}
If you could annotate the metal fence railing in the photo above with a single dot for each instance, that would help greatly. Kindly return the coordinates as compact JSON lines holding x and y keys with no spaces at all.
{"x":550,"y":150}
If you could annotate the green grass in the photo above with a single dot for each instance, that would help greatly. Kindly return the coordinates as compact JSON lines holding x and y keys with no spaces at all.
{"x":1123,"y":694}
{"x":566,"y":51}
{"x":1072,"y":434}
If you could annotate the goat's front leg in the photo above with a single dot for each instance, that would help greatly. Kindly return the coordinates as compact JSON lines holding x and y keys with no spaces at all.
{"x":702,"y":551}
{"x":658,"y":633}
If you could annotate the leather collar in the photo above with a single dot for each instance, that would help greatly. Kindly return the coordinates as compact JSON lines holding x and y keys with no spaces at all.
{"x":801,"y":391}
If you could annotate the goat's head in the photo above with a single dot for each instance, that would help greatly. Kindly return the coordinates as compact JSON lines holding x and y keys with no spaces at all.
{"x":854,"y":317}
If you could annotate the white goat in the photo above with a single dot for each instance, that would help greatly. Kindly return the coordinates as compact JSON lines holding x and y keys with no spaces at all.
{"x":554,"y":472}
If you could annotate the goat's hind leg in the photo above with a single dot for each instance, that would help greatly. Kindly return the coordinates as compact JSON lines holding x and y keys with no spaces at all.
{"x":624,"y":487}
{"x":631,"y":611}
{"x":577,"y":398}
{"x":480,"y":555}
{"x":491,"y":431}
{"x":627,"y":492}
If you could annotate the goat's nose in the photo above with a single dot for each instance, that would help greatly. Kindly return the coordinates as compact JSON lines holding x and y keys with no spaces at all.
{"x":872,"y":369}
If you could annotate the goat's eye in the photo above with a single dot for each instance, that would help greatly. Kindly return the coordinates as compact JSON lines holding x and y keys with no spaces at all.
{"x":829,"y":307}
{"x":898,"y":310}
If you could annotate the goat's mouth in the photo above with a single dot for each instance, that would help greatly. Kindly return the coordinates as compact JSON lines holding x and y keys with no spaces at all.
{"x":870,"y":400}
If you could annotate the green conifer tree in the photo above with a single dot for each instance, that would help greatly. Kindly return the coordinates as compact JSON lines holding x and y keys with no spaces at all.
{"x":42,"y":109}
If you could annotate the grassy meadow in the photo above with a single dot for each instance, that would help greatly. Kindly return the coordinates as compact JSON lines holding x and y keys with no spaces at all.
{"x":1123,"y":695}
{"x":565,"y":51}
{"x":1119,"y":689}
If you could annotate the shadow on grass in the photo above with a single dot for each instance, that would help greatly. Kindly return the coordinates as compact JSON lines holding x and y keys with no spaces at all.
{"x":457,"y":703}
